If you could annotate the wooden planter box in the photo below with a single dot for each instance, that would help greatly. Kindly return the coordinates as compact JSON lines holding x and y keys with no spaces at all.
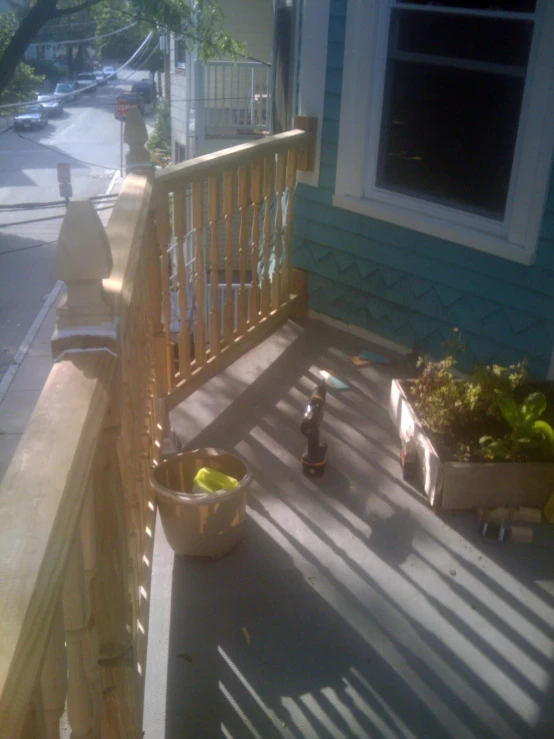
{"x":452,"y":486}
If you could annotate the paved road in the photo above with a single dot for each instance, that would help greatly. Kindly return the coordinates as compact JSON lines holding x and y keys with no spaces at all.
{"x":89,"y":132}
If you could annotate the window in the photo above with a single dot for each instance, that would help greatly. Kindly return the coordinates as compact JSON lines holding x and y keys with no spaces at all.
{"x":180,"y":53}
{"x":450,"y":104}
{"x":180,"y":153}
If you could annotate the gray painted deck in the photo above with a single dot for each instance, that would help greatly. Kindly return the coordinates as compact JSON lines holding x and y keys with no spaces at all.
{"x":369,"y":616}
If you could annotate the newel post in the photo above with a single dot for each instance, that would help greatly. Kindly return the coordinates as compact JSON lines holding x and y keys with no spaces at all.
{"x":135,"y":136}
{"x":96,"y":592}
{"x":83,"y":259}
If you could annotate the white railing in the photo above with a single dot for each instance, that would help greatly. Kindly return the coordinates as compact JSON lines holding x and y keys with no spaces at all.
{"x":237,"y":95}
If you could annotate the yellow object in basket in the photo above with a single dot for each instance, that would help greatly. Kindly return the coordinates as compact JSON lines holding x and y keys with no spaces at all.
{"x":210,"y":481}
{"x":549,"y":509}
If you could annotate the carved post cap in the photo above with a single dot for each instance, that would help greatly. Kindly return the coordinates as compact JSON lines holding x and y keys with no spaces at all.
{"x":83,"y":259}
{"x":136,"y":136}
{"x":83,"y":251}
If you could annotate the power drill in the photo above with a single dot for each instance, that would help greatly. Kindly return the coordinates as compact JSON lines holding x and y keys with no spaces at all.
{"x":315,"y":457}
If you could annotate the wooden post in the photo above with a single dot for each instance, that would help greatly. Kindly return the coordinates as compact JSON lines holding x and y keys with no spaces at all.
{"x":199,"y":272}
{"x":90,"y":642}
{"x":306,"y":157}
{"x":279,"y":188}
{"x":79,"y":704}
{"x":121,"y":712}
{"x":215,"y":327}
{"x":228,"y":316}
{"x":35,"y":723}
{"x":54,"y":677}
{"x":299,"y":288}
{"x":242,"y":203}
{"x":83,"y":259}
{"x":136,"y":136}
{"x":269,"y":189}
{"x":162,"y":221}
{"x":291,"y":181}
{"x":256,"y":203}
{"x":179,"y":220}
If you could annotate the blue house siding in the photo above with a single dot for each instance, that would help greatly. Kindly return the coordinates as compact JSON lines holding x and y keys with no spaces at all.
{"x":410,"y":287}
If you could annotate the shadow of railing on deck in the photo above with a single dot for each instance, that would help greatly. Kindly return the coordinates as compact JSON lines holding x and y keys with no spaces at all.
{"x":356,"y":628}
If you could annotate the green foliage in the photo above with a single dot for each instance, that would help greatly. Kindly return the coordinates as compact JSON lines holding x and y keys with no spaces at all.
{"x":159,"y":143}
{"x":438,"y":396}
{"x":24,"y":81}
{"x":110,"y":16}
{"x":200,"y":23}
{"x":481,"y":416}
{"x":527,"y":432}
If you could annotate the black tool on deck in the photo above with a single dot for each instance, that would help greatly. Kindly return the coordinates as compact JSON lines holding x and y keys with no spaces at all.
{"x":315,"y":457}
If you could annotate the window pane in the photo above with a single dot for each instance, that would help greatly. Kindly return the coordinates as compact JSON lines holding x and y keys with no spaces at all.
{"x":463,"y":37}
{"x":513,"y":6}
{"x":448,"y":135}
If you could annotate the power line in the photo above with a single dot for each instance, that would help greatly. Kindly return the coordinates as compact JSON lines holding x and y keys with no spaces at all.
{"x":67,"y":156}
{"x":123,"y":66}
{"x":47,"y":218}
{"x":44,"y":205}
{"x":25,"y":248}
{"x":84,"y":40}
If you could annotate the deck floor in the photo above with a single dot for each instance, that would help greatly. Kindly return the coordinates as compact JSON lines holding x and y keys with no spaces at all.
{"x":368,"y":615}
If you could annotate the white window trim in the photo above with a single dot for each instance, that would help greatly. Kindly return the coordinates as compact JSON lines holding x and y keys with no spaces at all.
{"x":516,"y":238}
{"x":313,"y":68}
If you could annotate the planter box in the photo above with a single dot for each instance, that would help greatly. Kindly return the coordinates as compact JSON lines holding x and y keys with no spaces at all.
{"x":461,"y":486}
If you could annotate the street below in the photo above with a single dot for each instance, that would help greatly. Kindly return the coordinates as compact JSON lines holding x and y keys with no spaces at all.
{"x":87,"y":137}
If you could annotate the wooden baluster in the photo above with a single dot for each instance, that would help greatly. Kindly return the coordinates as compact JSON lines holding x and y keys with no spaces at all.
{"x":162,"y":219}
{"x":279,"y":188}
{"x":228,"y":316}
{"x":179,"y":220}
{"x":243,"y":204}
{"x":256,"y":204}
{"x":199,"y":272}
{"x":268,"y":195}
{"x":54,"y":677}
{"x":79,"y":703}
{"x":291,"y":181}
{"x":215,"y":326}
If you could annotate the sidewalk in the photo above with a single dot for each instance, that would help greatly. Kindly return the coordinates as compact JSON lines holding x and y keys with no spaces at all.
{"x":25,"y":378}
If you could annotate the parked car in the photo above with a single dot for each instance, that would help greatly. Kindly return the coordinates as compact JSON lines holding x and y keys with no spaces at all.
{"x":146,"y":89}
{"x":110,"y":72}
{"x":52,"y":104}
{"x":66,"y":91}
{"x":132,"y":99}
{"x":86,"y":82}
{"x":101,"y":78}
{"x":35,"y":116}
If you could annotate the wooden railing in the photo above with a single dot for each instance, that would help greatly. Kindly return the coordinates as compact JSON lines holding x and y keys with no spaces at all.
{"x":237,"y":96}
{"x":76,"y":509}
{"x":235,"y":208}
{"x":77,"y":512}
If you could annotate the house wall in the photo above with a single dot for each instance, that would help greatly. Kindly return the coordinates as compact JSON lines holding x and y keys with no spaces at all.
{"x":178,"y":97}
{"x":251,"y":21}
{"x":410,"y":287}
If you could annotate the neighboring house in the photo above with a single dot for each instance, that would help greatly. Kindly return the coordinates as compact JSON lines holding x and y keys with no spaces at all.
{"x":221,"y":103}
{"x":432,"y":203}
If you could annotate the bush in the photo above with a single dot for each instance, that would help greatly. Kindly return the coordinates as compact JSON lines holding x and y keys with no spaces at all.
{"x":160,"y":139}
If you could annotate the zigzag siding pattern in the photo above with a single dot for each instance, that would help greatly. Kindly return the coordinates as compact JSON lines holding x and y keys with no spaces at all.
{"x":410,"y":287}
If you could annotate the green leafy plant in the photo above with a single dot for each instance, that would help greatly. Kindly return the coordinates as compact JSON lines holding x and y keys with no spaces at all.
{"x":492,"y":414}
{"x":527,"y":431}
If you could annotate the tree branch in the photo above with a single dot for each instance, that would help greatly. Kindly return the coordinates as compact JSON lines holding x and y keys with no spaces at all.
{"x":60,"y":12}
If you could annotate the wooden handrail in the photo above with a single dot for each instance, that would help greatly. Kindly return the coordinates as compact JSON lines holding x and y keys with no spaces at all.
{"x":41,"y":498}
{"x":179,"y":175}
{"x":240,"y":288}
